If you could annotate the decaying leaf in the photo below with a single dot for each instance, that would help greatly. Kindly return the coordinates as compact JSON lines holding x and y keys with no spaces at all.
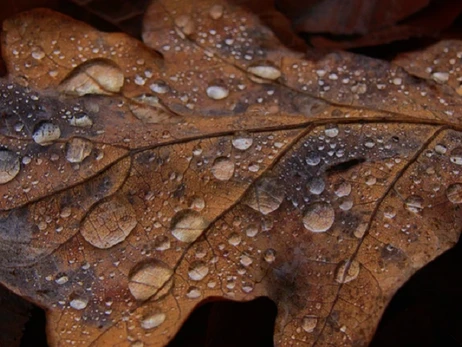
{"x":225,"y":166}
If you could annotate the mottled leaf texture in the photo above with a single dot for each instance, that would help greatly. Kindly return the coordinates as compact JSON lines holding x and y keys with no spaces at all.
{"x":138,"y":179}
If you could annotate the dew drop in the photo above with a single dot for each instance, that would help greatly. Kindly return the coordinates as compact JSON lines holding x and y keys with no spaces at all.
{"x":316,"y":185}
{"x":343,"y":189}
{"x":188,"y":225}
{"x":266,"y":196}
{"x":454,"y":193}
{"x":456,"y":156}
{"x":197,"y":204}
{"x":389,"y":212}
{"x":78,"y":149}
{"x":149,"y":278}
{"x":331,"y":131}
{"x":217,"y":92}
{"x":193,"y":293}
{"x":309,"y":323}
{"x":45,"y":133}
{"x":234,"y":239}
{"x":109,"y":223}
{"x":185,"y":23}
{"x":198,"y":270}
{"x":153,"y":320}
{"x":78,"y":303}
{"x":242,"y":142}
{"x":347,"y":271}
{"x":319,"y":217}
{"x":37,"y":53}
{"x":313,"y":158}
{"x":251,"y":230}
{"x":81,"y":120}
{"x":269,"y":255}
{"x":414,"y":204}
{"x":9,"y":165}
{"x":216,"y":12}
{"x":223,"y":168}
{"x":159,"y":87}
{"x":440,"y":149}
{"x":265,"y":69}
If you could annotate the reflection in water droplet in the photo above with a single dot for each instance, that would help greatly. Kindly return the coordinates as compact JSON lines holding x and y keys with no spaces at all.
{"x":316,"y":185}
{"x":188,"y":225}
{"x":217,"y":92}
{"x":265,"y":70}
{"x":266,"y":196}
{"x":242,"y":142}
{"x":197,"y":270}
{"x":223,"y":169}
{"x":269,"y":255}
{"x":152,"y":321}
{"x":456,"y":156}
{"x":309,"y":323}
{"x":109,"y":223}
{"x":319,"y":217}
{"x":45,"y":133}
{"x":454,"y":193}
{"x":149,"y":278}
{"x":78,"y":149}
{"x":414,"y":204}
{"x":313,"y":158}
{"x":347,"y":271}
{"x":9,"y":165}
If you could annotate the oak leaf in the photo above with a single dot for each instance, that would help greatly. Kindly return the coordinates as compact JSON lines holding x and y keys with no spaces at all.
{"x":138,"y":179}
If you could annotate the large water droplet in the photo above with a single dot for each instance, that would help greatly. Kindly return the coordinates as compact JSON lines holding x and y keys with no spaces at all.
{"x":45,"y":133}
{"x":217,"y":91}
{"x":454,"y":193}
{"x":109,"y":223}
{"x":95,"y":76}
{"x":223,"y":168}
{"x":266,"y":196}
{"x":78,"y":149}
{"x":198,"y":270}
{"x":347,"y":271}
{"x":37,"y":53}
{"x":456,"y":156}
{"x":265,"y":69}
{"x":316,"y":185}
{"x":188,"y":225}
{"x":9,"y":165}
{"x":343,"y":189}
{"x":147,"y":279}
{"x":242,"y":142}
{"x":78,"y":302}
{"x":319,"y":217}
{"x":414,"y":204}
{"x":153,"y":320}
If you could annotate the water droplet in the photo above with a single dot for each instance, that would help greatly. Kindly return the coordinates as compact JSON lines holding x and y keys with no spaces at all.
{"x":188,"y":225}
{"x":217,"y":92}
{"x":216,"y":11}
{"x":331,"y":131}
{"x":242,"y":142}
{"x":313,"y":158}
{"x":319,"y":217}
{"x":269,"y":255}
{"x":95,"y":76}
{"x":389,"y":212}
{"x":347,"y":271}
{"x":316,"y":185}
{"x":81,"y":120}
{"x":161,"y":243}
{"x":78,"y":149}
{"x":414,"y":204}
{"x":185,"y":23}
{"x":245,"y":260}
{"x":37,"y":53}
{"x":234,"y":239}
{"x":440,"y":77}
{"x":9,"y":165}
{"x":78,"y":302}
{"x":309,"y":323}
{"x":360,"y":230}
{"x":440,"y":149}
{"x":251,"y":230}
{"x":456,"y":156}
{"x":343,"y":189}
{"x":193,"y":293}
{"x":45,"y":133}
{"x":61,"y":279}
{"x":197,"y":204}
{"x":159,"y":87}
{"x":149,"y":278}
{"x":109,"y":223}
{"x":266,"y":196}
{"x":198,"y":270}
{"x":265,"y":69}
{"x":153,"y":320}
{"x":223,"y":169}
{"x":454,"y":193}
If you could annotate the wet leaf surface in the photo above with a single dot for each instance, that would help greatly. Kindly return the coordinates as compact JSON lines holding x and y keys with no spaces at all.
{"x":138,"y":179}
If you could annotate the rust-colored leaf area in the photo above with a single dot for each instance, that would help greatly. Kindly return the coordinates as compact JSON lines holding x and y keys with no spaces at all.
{"x":140,"y":178}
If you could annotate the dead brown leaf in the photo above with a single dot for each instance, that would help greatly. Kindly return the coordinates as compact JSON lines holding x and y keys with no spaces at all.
{"x":136,"y":184}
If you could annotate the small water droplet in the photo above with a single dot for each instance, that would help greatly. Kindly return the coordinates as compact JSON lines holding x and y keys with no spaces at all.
{"x":81,"y":120}
{"x":266,"y":196}
{"x":217,"y":92}
{"x":37,"y":53}
{"x":45,"y":133}
{"x":153,"y":320}
{"x":454,"y":193}
{"x":269,"y":255}
{"x":316,"y":185}
{"x":414,"y":204}
{"x":159,"y":87}
{"x":319,"y":217}
{"x":251,"y":230}
{"x":78,"y":149}
{"x":9,"y":165}
{"x":197,"y":204}
{"x":149,"y":278}
{"x":186,"y":24}
{"x":242,"y":142}
{"x":347,"y":271}
{"x":389,"y":212}
{"x":234,"y":239}
{"x":78,"y":302}
{"x":193,"y":293}
{"x":265,"y":69}
{"x":456,"y":156}
{"x":61,"y":279}
{"x":223,"y":168}
{"x":440,"y":149}
{"x":331,"y":131}
{"x":313,"y":158}
{"x":198,"y":270}
{"x":343,"y":189}
{"x":309,"y":323}
{"x":188,"y":225}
